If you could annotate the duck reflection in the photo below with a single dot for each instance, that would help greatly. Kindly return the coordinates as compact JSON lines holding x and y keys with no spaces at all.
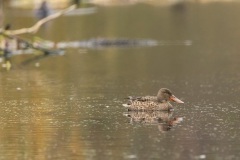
{"x":164,"y":120}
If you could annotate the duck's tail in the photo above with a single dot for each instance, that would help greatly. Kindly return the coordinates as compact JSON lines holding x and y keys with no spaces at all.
{"x":131,"y":98}
{"x":126,"y":105}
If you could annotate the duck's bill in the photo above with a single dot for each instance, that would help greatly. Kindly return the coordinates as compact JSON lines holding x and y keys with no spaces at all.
{"x":175,"y":99}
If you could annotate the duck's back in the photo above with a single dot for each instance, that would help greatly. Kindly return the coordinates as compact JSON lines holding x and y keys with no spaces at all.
{"x":148,"y":105}
{"x":143,"y":99}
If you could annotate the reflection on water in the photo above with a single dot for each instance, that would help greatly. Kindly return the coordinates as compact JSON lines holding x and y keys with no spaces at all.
{"x":69,"y":107}
{"x":163,"y":120}
{"x":100,"y":43}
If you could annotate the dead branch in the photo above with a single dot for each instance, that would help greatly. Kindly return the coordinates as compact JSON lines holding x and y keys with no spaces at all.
{"x":36,"y":27}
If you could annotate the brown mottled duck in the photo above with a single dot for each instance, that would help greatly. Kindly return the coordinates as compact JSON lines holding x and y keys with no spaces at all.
{"x":153,"y":103}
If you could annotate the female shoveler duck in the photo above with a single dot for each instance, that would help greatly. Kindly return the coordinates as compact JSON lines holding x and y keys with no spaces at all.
{"x":153,"y":103}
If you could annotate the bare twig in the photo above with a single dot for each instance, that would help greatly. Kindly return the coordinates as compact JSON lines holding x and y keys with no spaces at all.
{"x":36,"y":27}
{"x":32,"y":45}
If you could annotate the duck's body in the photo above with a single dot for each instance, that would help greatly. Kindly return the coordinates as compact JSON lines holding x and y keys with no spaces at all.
{"x":153,"y":103}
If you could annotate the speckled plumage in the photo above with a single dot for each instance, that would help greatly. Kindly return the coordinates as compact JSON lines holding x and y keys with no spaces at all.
{"x":148,"y":106}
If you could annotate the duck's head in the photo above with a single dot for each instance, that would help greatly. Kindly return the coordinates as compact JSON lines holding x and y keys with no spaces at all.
{"x":165,"y":95}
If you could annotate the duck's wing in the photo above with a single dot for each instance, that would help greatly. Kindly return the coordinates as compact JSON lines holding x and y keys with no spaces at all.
{"x":143,"y":99}
{"x":147,"y":98}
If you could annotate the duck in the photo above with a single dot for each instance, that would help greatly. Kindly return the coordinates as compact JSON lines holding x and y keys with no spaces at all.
{"x":161,"y":102}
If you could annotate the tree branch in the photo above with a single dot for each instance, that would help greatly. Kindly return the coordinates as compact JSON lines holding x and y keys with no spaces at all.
{"x":36,"y":27}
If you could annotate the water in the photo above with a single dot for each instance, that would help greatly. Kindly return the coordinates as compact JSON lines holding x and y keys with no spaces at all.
{"x":70,"y":107}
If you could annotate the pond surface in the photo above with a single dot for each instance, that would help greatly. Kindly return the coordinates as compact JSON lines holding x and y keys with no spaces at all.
{"x":70,"y":107}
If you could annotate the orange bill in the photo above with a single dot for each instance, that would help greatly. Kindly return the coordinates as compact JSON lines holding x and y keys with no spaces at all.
{"x":175,"y":99}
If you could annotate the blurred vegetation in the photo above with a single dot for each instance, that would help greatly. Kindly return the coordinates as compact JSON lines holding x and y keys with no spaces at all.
{"x":64,"y":3}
